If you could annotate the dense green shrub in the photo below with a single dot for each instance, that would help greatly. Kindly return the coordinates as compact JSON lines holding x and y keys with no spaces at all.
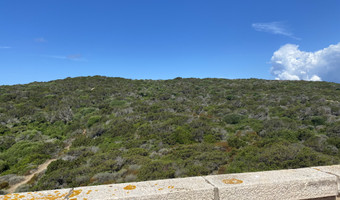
{"x":233,"y":118}
{"x":6,"y":142}
{"x":210,"y":138}
{"x":3,"y":166}
{"x":318,"y":120}
{"x":156,"y":170}
{"x":132,"y":130}
{"x":93,"y":119}
{"x":182,"y":136}
{"x":3,"y":185}
{"x":3,"y":129}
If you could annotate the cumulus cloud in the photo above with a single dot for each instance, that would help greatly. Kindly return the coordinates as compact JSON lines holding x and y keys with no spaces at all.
{"x":290,"y":63}
{"x":278,"y":28}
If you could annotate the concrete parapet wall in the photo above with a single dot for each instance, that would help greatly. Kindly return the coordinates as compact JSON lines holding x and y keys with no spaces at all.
{"x":306,"y":183}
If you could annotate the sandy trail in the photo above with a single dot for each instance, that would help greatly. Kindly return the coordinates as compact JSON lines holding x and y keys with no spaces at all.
{"x":41,"y":168}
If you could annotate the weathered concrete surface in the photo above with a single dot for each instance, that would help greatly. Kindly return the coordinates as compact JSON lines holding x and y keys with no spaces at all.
{"x":324,"y":198}
{"x":303,"y":183}
{"x":332,"y":169}
{"x":316,"y":183}
{"x":195,"y":188}
{"x":41,"y":195}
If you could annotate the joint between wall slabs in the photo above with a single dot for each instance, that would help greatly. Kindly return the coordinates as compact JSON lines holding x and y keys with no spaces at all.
{"x":330,"y":173}
{"x":216,"y":190}
{"x":69,"y":194}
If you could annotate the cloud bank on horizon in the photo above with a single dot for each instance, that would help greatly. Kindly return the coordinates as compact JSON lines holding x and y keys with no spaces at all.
{"x":290,"y":63}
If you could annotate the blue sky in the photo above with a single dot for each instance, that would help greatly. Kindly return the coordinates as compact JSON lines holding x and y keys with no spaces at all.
{"x":42,"y":40}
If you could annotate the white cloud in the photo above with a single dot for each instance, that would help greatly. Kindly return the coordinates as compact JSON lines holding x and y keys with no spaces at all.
{"x":40,"y":40}
{"x":290,"y":63}
{"x":278,"y":28}
{"x":5,"y":47}
{"x":74,"y":57}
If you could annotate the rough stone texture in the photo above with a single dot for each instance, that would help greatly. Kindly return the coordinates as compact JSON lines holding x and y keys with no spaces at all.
{"x":316,"y":183}
{"x":195,"y":188}
{"x":41,"y":195}
{"x":324,"y":198}
{"x":303,"y":183}
{"x":332,"y":169}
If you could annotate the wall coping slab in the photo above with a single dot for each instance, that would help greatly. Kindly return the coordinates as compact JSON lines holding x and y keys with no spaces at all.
{"x":305,"y":183}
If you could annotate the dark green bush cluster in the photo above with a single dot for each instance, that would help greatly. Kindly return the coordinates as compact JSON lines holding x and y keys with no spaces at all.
{"x":133,"y":130}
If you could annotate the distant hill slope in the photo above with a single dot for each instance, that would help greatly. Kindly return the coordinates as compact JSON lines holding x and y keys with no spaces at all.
{"x":123,"y":130}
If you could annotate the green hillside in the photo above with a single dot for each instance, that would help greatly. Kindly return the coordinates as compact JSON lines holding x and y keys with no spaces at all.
{"x":123,"y":130}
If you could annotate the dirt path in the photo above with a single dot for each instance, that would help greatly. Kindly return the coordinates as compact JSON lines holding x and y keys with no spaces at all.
{"x":41,"y":168}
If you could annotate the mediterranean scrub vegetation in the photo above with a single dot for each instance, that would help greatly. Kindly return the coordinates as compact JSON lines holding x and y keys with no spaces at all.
{"x":122,"y":130}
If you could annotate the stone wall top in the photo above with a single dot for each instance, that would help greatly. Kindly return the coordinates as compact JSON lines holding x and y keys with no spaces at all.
{"x":304,"y":183}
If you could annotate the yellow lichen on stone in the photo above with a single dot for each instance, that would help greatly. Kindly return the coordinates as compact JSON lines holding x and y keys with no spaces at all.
{"x":88,"y":192}
{"x":34,"y":196}
{"x":130,"y":187}
{"x":75,"y":193}
{"x":170,"y":187}
{"x":232,"y":181}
